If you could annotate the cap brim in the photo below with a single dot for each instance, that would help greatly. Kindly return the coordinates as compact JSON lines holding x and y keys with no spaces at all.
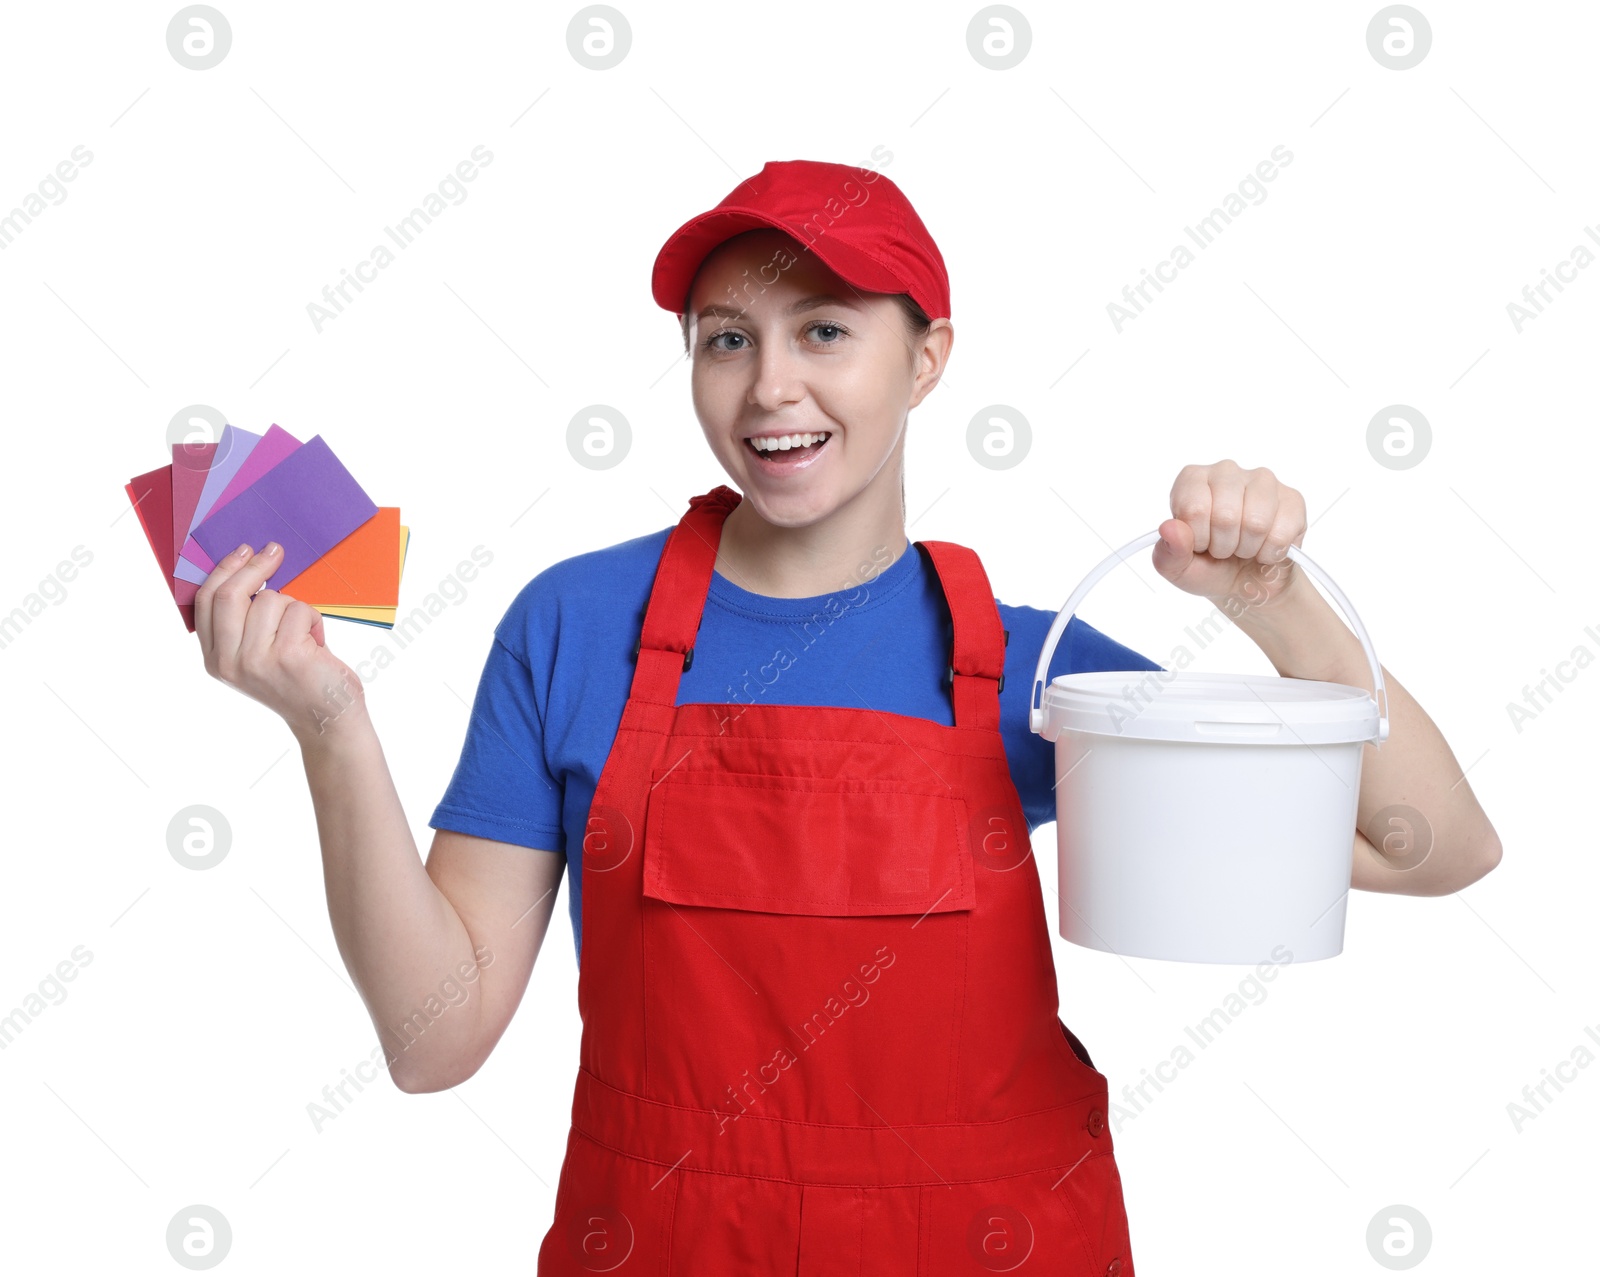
{"x":688,"y":246}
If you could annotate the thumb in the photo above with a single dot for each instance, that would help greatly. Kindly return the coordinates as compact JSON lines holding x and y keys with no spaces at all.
{"x":1175,"y":550}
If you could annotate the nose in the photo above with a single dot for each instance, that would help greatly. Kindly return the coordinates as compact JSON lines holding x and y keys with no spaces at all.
{"x":778,"y":379}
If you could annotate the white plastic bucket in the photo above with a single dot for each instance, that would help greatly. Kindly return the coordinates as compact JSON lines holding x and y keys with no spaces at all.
{"x":1205,"y":817}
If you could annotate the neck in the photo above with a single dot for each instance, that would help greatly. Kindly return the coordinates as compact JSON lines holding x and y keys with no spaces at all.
{"x":853,"y":544}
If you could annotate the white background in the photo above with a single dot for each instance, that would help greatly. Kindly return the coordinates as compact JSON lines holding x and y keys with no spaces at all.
{"x":217,"y":205}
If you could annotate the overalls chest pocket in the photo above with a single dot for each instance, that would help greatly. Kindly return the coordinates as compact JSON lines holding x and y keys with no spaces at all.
{"x":805,"y":927}
{"x":820,"y":846}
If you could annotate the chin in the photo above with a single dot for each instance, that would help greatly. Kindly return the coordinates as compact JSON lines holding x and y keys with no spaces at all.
{"x":796,"y":509}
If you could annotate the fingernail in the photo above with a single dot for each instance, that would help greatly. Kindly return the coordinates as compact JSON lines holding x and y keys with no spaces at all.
{"x":272,"y":548}
{"x":242,"y":551}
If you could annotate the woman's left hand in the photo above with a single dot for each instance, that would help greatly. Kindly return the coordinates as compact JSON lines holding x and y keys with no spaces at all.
{"x":1230,"y":532}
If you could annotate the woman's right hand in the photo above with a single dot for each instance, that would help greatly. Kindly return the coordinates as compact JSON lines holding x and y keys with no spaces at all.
{"x":271,"y":647}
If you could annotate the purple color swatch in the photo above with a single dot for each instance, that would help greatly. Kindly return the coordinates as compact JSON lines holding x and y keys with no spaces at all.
{"x":273,"y":447}
{"x":307,"y":503}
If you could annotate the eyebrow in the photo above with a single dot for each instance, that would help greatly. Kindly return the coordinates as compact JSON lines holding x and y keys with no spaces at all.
{"x":795,"y":308}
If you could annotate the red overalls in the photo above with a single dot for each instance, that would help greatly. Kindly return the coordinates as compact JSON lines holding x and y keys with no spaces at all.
{"x":817,"y":990}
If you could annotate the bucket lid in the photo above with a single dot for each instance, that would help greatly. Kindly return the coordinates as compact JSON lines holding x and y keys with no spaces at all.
{"x":1214,"y":707}
{"x":1244,"y":709}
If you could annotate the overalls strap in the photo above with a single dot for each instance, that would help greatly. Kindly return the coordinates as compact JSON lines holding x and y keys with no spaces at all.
{"x":683,"y":577}
{"x":978,"y":657}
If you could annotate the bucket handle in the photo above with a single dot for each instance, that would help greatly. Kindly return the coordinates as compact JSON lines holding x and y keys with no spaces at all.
{"x":1058,"y":627}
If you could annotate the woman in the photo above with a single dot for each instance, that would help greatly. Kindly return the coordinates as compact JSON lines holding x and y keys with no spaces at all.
{"x":820,"y":1027}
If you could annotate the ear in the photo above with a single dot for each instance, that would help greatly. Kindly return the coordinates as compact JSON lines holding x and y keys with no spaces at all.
{"x":929,"y":355}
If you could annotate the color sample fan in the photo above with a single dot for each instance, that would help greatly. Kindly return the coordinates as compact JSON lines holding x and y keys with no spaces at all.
{"x":341,"y":553}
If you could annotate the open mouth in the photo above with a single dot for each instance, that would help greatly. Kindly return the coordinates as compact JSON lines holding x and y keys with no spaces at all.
{"x":786,"y":452}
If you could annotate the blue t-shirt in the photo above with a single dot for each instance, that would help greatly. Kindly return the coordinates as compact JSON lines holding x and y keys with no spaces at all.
{"x":560,"y":667}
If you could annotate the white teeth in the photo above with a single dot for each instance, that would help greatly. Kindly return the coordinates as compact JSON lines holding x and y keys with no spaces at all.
{"x":782,"y":443}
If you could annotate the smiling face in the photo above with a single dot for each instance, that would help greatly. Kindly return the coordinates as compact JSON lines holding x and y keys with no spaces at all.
{"x":786,"y":352}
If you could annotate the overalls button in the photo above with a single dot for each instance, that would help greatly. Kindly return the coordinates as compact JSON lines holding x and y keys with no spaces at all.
{"x":1096,"y":1122}
{"x":1114,"y":1268}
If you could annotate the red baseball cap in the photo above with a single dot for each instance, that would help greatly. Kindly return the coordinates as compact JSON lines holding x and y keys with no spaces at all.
{"x":855,"y":219}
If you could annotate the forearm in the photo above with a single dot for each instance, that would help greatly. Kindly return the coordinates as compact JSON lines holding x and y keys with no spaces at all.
{"x":1449,"y":842}
{"x":1423,"y":832}
{"x":405,"y":946}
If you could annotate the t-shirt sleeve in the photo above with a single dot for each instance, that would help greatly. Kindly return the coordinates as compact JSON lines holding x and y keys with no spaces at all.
{"x":1082,"y":649}
{"x":502,"y":787}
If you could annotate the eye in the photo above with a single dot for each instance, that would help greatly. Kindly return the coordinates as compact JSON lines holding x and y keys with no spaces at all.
{"x":821,"y":325}
{"x":710,"y":342}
